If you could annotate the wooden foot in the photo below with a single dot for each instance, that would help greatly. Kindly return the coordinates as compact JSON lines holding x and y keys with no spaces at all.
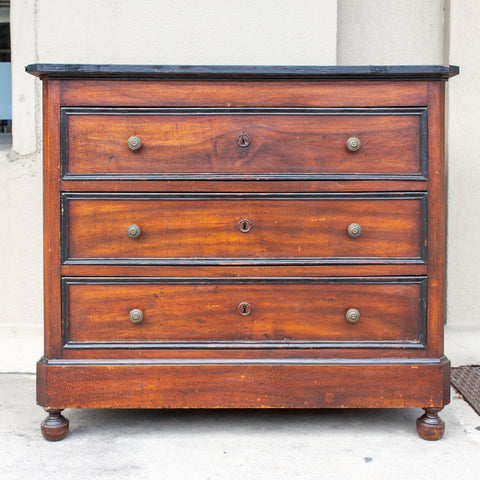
{"x":430,"y":426}
{"x":55,"y":426}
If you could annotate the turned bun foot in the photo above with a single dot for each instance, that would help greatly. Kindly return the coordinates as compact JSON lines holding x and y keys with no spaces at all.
{"x":55,"y":426}
{"x":430,"y":426}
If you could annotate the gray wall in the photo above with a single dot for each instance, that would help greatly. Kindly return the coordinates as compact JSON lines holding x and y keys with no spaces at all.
{"x":309,"y":32}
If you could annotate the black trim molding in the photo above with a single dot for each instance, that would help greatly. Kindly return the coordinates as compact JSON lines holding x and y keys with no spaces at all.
{"x":439,"y":72}
{"x":87,"y":362}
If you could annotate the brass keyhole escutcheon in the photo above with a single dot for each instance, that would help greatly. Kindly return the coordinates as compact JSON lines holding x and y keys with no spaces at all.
{"x":244,"y":308}
{"x":243,"y":140}
{"x":245,"y":225}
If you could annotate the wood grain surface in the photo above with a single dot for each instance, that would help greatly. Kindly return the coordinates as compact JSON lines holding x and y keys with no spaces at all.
{"x":232,"y":271}
{"x":241,"y":93}
{"x":180,"y":227}
{"x":278,"y":312}
{"x":244,"y":186}
{"x":366,"y":385}
{"x":202,"y":143}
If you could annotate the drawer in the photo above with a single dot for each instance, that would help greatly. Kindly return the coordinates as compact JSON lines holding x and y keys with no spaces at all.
{"x":244,"y":143}
{"x":253,"y":311}
{"x":244,"y":228}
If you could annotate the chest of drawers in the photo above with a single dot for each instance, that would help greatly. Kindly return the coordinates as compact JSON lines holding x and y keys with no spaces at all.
{"x":223,"y":237}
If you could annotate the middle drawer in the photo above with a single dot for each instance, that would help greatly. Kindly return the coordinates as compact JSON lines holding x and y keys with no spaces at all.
{"x":244,"y":228}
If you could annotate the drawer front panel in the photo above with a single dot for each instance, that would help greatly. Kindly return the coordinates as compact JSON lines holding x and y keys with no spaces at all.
{"x":255,"y":311}
{"x":244,"y":228}
{"x":215,"y":143}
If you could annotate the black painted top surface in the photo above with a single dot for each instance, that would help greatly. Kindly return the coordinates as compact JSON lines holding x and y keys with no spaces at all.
{"x":439,"y":72}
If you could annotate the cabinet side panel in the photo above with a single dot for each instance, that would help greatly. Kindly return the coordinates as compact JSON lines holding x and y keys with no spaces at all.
{"x":51,"y":216}
{"x":436,"y":219}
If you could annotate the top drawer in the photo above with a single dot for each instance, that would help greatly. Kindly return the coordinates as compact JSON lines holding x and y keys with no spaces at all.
{"x":214,"y":144}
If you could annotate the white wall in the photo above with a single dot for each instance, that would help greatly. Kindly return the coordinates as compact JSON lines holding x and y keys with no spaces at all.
{"x":310,"y":32}
{"x":120,"y":31}
{"x":390,"y":32}
{"x":188,"y":31}
{"x":21,"y":276}
{"x":463,"y":301}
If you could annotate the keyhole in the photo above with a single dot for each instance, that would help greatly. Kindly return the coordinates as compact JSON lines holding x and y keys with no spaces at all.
{"x":245,"y":225}
{"x":244,"y":309}
{"x":243,"y":140}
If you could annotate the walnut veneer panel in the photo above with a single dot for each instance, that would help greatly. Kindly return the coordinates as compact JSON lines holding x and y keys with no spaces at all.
{"x":202,"y":143}
{"x":179,"y":227}
{"x":279,"y":385}
{"x":262,"y":312}
{"x":241,"y":93}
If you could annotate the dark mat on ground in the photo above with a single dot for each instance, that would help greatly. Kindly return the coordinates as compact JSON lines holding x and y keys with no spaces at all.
{"x":467,"y":381}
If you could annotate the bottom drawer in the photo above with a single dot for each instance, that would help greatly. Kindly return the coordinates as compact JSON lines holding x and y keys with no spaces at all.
{"x":251,"y":312}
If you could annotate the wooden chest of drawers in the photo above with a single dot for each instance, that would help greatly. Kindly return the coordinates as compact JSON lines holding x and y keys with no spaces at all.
{"x":221,"y":237}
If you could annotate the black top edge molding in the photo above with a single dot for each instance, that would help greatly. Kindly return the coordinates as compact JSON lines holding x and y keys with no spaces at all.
{"x":439,"y":72}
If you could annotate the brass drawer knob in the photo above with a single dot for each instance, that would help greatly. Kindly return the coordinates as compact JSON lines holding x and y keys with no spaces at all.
{"x":245,"y":225}
{"x":354,"y":230}
{"x":136,"y":315}
{"x":133,"y":231}
{"x":134,"y":143}
{"x":352,"y":315}
{"x":354,"y":144}
{"x":244,"y":308}
{"x":243,"y":140}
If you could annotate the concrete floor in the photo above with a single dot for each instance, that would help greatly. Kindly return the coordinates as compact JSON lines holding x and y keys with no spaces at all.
{"x":231,"y":445}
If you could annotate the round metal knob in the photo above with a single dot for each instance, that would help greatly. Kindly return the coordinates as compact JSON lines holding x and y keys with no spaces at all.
{"x":244,"y":308}
{"x":245,"y":225}
{"x":134,"y":143}
{"x":133,"y":231}
{"x":354,"y":230}
{"x":352,"y":315}
{"x":354,"y":144}
{"x":243,"y":140}
{"x":136,"y":315}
